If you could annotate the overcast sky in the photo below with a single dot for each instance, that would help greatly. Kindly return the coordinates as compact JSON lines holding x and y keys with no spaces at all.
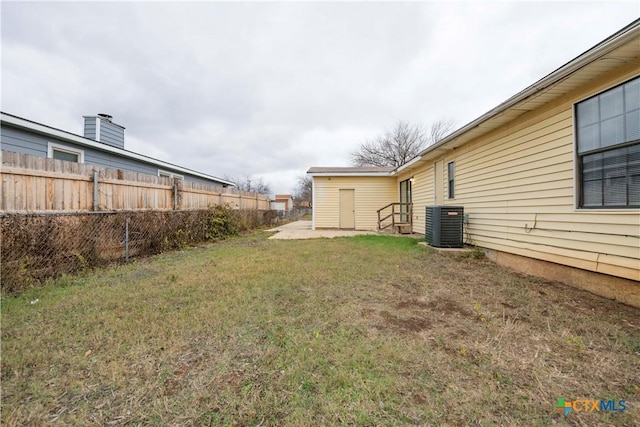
{"x":271,"y":89}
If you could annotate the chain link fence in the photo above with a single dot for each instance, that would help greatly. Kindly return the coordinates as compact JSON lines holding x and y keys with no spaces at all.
{"x":36,"y":247}
{"x":293,"y":214}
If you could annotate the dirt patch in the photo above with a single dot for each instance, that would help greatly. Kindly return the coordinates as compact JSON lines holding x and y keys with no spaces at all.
{"x":419,"y":399}
{"x":460,"y":333}
{"x":411,"y":324}
{"x":448,"y":307}
{"x":412,"y":304}
{"x":367,"y":312}
{"x":514,"y":314}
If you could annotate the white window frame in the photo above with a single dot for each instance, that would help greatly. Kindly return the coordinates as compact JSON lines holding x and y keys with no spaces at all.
{"x":577,"y":172}
{"x":451,"y":180}
{"x":54,"y":146}
{"x":168,"y":174}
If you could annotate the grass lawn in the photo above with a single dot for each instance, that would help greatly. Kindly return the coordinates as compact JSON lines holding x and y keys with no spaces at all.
{"x":368,"y":330}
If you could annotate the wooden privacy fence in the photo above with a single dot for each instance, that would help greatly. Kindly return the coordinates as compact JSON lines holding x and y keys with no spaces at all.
{"x":35,"y":184}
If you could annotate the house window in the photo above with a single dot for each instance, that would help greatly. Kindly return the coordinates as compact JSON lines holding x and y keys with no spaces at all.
{"x":64,"y":152}
{"x":168,"y":174}
{"x":608,"y":148}
{"x":451,"y":179}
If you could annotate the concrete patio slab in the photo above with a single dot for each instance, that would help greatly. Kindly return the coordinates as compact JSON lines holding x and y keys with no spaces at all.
{"x":302,"y":230}
{"x":455,"y":251}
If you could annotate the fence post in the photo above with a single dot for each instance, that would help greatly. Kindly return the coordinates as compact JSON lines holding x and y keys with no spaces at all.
{"x":175,"y":195}
{"x":96,"y":194}
{"x":126,"y":240}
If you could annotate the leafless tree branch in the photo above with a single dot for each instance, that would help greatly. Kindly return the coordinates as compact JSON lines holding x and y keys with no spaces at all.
{"x":304,"y":190}
{"x":250,"y":184}
{"x":400,"y":144}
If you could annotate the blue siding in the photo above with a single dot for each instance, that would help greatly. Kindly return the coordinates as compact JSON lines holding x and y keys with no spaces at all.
{"x":109,"y":160}
{"x":90,"y":127}
{"x":23,"y":141}
{"x":111,"y":134}
{"x":192,"y":178}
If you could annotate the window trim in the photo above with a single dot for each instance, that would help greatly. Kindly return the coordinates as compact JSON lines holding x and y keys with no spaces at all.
{"x":451,"y":180}
{"x":168,"y":174}
{"x":54,"y":146}
{"x":577,"y":158}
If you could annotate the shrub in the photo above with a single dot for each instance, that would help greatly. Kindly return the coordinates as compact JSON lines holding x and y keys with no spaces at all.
{"x":221,"y":222}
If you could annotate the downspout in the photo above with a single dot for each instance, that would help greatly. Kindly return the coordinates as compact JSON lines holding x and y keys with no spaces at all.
{"x":96,"y":194}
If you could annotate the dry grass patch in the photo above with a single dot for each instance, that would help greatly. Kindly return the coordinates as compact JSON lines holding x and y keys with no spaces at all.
{"x":370,"y":330}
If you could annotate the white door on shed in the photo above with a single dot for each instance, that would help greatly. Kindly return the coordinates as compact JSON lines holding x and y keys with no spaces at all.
{"x":347,"y":209}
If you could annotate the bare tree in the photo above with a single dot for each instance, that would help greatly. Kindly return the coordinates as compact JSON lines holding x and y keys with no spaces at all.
{"x":439,"y":130}
{"x":250,"y":184}
{"x":399,"y":145}
{"x":304,"y":190}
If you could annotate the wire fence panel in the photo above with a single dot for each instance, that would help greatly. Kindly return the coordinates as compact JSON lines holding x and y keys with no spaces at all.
{"x":36,"y":247}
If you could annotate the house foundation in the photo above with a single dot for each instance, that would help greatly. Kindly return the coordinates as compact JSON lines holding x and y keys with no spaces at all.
{"x":619,"y":289}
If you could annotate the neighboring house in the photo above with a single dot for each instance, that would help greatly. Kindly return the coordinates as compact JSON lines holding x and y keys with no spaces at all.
{"x":549,"y":178}
{"x":277,"y":206}
{"x":284,"y":200}
{"x":102,"y":145}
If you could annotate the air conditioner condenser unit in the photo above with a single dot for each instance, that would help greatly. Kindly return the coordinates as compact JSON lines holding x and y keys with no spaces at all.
{"x":444,"y":226}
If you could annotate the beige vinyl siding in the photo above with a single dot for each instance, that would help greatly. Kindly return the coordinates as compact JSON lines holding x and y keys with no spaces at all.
{"x":517,"y":185}
{"x":371,"y":194}
{"x":422,"y":195}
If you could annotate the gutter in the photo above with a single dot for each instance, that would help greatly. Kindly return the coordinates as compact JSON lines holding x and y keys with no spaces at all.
{"x":385,"y":173}
{"x":409,"y":163}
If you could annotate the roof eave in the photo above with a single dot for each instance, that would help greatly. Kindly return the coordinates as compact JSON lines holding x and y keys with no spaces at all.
{"x":353,"y":174}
